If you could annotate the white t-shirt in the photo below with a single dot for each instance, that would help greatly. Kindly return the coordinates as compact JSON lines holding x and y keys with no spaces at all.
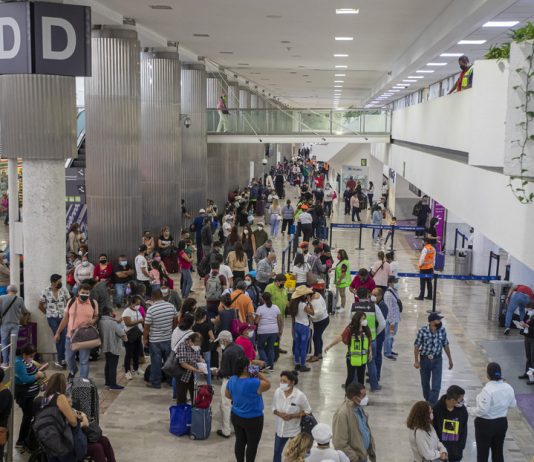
{"x":134,"y":316}
{"x":394,"y":267}
{"x":318,"y":455}
{"x":295,"y":403}
{"x":300,"y":272}
{"x":302,"y":316}
{"x":226,"y":272}
{"x":227,"y":229}
{"x":328,"y":195}
{"x":319,"y":308}
{"x":140,"y":263}
{"x":305,"y":218}
{"x":269,"y":319}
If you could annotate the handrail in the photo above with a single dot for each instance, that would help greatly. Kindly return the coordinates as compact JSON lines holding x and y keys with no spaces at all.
{"x":497,"y":257}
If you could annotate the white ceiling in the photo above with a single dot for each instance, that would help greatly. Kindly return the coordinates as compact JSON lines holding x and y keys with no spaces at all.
{"x":301,"y":72}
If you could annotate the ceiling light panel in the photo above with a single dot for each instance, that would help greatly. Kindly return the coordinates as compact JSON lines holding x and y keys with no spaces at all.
{"x":451,"y":55}
{"x":339,"y":81}
{"x":340,"y":75}
{"x":424,"y":72}
{"x":436,"y":64}
{"x":472,"y":42}
{"x":344,"y":39}
{"x":201,"y":35}
{"x":347,"y":11}
{"x":341,"y":55}
{"x":501,"y":24}
{"x":411,"y":80}
{"x":341,"y":66}
{"x":416,"y":76}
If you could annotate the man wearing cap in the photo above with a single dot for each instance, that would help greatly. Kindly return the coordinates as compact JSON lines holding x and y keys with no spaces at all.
{"x":429,"y":344}
{"x":392,"y":300}
{"x":305,"y":219}
{"x":196,"y":226}
{"x":11,"y":307}
{"x":322,"y":434}
{"x":231,"y":353}
{"x":52,"y":304}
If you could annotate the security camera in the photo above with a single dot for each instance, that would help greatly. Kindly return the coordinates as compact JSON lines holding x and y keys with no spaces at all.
{"x":187,"y":122}
{"x":264,"y":161}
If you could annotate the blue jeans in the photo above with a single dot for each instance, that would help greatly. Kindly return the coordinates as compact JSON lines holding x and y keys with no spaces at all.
{"x":371,"y":367}
{"x":60,"y":346}
{"x":70,"y":357}
{"x":187,"y":280}
{"x":517,"y":300}
{"x":430,"y":370}
{"x":120,"y":292}
{"x":158,"y":354}
{"x":390,"y":336}
{"x":301,"y":335}
{"x":207,"y":358}
{"x":266,"y":348}
{"x":279,"y":444}
{"x":380,"y":338}
{"x":6,"y":330}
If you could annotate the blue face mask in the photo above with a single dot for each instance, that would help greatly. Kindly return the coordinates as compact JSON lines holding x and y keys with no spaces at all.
{"x":123,"y":263}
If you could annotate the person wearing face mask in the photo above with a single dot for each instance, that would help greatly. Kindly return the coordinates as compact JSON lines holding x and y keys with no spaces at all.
{"x":244,"y":340}
{"x":104,"y":270}
{"x":170,"y":295}
{"x":424,"y":440}
{"x":122,"y":275}
{"x":262,"y":251}
{"x":253,"y":291}
{"x":465,"y":80}
{"x":112,"y":333}
{"x":289,"y":406}
{"x":421,"y":210}
{"x":450,"y":422}
{"x":342,"y":278}
{"x":528,"y":333}
{"x":249,"y":245}
{"x":357,"y":337}
{"x":189,"y":355}
{"x":491,"y":424}
{"x":265,"y":270}
{"x":260,"y":235}
{"x":394,"y":304}
{"x":133,"y":325}
{"x":52,"y":304}
{"x":83,"y":272}
{"x":429,"y":344}
{"x":377,"y":297}
{"x":80,"y":311}
{"x":427,"y":261}
{"x":141,"y":268}
{"x":351,"y":431}
{"x":362,"y":279}
{"x":431,"y":232}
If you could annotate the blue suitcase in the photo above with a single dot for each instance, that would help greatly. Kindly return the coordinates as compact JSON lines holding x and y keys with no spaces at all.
{"x":200,"y":423}
{"x":180,"y":421}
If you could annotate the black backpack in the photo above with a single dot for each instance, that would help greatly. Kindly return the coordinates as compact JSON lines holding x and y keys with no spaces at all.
{"x":204,"y":266}
{"x":53,"y":431}
{"x":417,"y":209}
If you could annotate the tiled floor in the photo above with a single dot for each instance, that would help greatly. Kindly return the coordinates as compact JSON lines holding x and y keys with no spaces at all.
{"x":137,"y":419}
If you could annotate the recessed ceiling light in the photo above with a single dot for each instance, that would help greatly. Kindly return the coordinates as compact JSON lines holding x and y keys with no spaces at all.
{"x":308,"y":81}
{"x":416,"y":76}
{"x":305,"y":75}
{"x":273,"y":16}
{"x":347,"y":11}
{"x":424,"y":72}
{"x":394,"y":91}
{"x":344,"y":39}
{"x":285,"y":41}
{"x":436,"y":64}
{"x":411,"y":81}
{"x":226,"y":52}
{"x":338,"y":86}
{"x":501,"y":24}
{"x":201,"y":35}
{"x":293,"y":72}
{"x":341,"y":67}
{"x":341,"y":55}
{"x":451,"y":55}
{"x":161,"y":7}
{"x":340,"y":75}
{"x":339,"y":81}
{"x":472,"y":42}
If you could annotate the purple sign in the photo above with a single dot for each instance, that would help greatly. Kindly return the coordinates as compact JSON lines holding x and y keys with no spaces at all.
{"x":440,"y":212}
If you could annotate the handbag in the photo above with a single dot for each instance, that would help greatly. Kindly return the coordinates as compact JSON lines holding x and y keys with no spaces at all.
{"x":399,"y":302}
{"x":172,"y":367}
{"x":93,"y":432}
{"x":84,"y":337}
{"x":307,"y":422}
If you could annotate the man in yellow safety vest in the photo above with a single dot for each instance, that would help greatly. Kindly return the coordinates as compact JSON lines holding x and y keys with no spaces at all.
{"x":465,"y":80}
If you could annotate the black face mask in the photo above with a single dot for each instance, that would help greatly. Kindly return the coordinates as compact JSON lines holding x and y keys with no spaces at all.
{"x":438,"y":325}
{"x":84,"y":298}
{"x":103,"y":261}
{"x":59,"y":285}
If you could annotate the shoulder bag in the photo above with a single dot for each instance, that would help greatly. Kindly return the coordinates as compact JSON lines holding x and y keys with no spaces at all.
{"x":236,"y":322}
{"x":84,"y":337}
{"x":379,"y":268}
{"x":172,"y":367}
{"x":399,"y":302}
{"x":307,"y":422}
{"x":7,"y":309}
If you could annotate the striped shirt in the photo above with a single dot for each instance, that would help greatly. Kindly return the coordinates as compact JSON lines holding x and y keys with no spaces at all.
{"x":160,"y":317}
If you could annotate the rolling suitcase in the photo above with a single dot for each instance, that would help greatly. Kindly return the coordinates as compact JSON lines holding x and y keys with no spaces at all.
{"x":200,"y":423}
{"x":85,"y":397}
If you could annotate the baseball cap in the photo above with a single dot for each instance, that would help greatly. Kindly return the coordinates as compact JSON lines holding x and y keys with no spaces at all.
{"x":322,"y":433}
{"x":224,"y":335}
{"x":434,"y":317}
{"x":245,"y":327}
{"x":202,"y":211}
{"x":393,"y":279}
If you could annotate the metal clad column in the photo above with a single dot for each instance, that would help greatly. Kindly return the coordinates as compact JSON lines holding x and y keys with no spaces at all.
{"x":218,"y":173}
{"x":38,"y":115}
{"x":233,"y":95}
{"x":194,"y":142}
{"x":161,"y":148}
{"x":114,"y":200}
{"x":254,"y":98}
{"x":216,"y":87}
{"x":244,"y":98}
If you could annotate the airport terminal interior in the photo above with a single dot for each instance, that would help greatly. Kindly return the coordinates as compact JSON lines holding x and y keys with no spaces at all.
{"x":267,"y":231}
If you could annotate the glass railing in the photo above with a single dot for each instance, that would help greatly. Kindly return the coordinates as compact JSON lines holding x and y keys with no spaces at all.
{"x":300,"y":121}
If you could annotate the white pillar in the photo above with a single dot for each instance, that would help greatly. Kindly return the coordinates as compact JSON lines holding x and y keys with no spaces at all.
{"x":482,"y":247}
{"x":13,"y":191}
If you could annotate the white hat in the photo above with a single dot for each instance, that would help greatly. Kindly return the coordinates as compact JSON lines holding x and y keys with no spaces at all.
{"x":224,"y":335}
{"x":322,"y":433}
{"x":202,"y":211}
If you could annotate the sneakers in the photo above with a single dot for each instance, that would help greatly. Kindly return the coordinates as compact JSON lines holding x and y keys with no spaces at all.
{"x":304,"y":369}
{"x":220,"y":433}
{"x":524,"y":376}
{"x":507,"y":331}
{"x":128,"y":375}
{"x":116,"y":387}
{"x":418,"y":298}
{"x":391,"y":357}
{"x":394,"y":354}
{"x":139,"y":372}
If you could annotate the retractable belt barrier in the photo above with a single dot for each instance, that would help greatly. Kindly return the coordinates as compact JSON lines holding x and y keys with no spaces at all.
{"x":287,"y":251}
{"x":361,"y":226}
{"x":436,"y":276}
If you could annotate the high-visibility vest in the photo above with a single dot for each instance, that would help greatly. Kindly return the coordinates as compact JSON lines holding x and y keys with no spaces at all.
{"x":370,"y":314}
{"x":358,"y":350}
{"x":428,"y":262}
{"x":345,"y":281}
{"x":465,"y":79}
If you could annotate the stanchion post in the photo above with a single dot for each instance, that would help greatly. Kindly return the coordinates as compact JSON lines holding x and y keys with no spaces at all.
{"x":435,"y":292}
{"x":360,"y":239}
{"x":283,"y":261}
{"x":392,"y":237}
{"x":330,"y":236}
{"x":289,"y":260}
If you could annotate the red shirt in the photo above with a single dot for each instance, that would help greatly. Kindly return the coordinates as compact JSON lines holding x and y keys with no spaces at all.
{"x":100,"y":274}
{"x":184,"y":264}
{"x":351,"y":184}
{"x":246,"y":344}
{"x":356,"y":283}
{"x":525,"y":290}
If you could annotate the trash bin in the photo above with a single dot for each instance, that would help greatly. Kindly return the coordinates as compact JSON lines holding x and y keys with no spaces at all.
{"x":498,"y":290}
{"x":463,"y":263}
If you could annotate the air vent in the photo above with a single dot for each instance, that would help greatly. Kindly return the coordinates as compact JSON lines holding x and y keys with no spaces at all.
{"x":273,"y":16}
{"x":242,"y":64}
{"x":201,"y":35}
{"x":226,"y":52}
{"x":161,"y":7}
{"x":285,"y":41}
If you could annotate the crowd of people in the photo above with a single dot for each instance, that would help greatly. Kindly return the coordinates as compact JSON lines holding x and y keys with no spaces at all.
{"x":232,"y":332}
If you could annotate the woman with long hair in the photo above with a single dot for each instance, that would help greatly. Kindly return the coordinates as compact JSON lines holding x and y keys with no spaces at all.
{"x":300,"y":269}
{"x":342,"y":278}
{"x":300,"y":309}
{"x":423,"y":438}
{"x":298,"y":448}
{"x":238,"y":262}
{"x":249,"y":245}
{"x":276,"y":218}
{"x":189,"y":305}
{"x":231,"y":241}
{"x":270,"y":326}
{"x":357,"y":337}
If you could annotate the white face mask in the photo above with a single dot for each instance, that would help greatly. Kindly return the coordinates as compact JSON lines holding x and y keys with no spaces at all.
{"x":196,"y":347}
{"x":373,"y":298}
{"x":460,"y":404}
{"x":284,"y":386}
{"x":396,"y":286}
{"x":164,"y":291}
{"x":136,"y":307}
{"x":85,"y":263}
{"x":364,"y":323}
{"x":250,"y":334}
{"x":364,"y":401}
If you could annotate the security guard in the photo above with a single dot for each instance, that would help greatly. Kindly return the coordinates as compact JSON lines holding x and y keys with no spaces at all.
{"x":465,"y":80}
{"x":427,"y":260}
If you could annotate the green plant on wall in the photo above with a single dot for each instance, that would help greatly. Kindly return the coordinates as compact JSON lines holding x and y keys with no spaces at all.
{"x":519,"y":183}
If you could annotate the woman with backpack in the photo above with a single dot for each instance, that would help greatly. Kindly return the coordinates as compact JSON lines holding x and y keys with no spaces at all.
{"x":357,"y":337}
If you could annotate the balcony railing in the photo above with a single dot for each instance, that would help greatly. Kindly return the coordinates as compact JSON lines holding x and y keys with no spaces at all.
{"x":323,"y":122}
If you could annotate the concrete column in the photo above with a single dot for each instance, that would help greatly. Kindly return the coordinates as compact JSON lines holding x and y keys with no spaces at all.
{"x":38,"y":114}
{"x":112,"y":100}
{"x":161,"y":138}
{"x":218,"y":173}
{"x":194,"y":142}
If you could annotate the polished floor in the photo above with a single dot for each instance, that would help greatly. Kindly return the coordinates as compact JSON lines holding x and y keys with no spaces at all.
{"x":137,"y":419}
